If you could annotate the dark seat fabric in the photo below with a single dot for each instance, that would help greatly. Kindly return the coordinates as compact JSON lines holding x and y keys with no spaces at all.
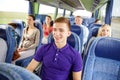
{"x":79,"y":31}
{"x":19,"y":29}
{"x":94,"y":25}
{"x":93,"y":32}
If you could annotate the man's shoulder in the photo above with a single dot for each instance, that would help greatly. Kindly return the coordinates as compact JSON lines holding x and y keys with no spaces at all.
{"x":73,"y":50}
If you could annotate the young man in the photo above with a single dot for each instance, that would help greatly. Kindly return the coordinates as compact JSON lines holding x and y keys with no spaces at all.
{"x":59,"y":59}
{"x":78,"y":21}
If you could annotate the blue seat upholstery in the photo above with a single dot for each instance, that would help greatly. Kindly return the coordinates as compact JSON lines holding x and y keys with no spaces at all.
{"x":3,"y":49}
{"x":93,"y":32}
{"x":7,"y":33}
{"x":40,"y":17}
{"x":19,"y":28}
{"x":79,"y":31}
{"x":72,"y":20}
{"x":85,"y":22}
{"x":13,"y":72}
{"x":94,"y":25}
{"x":103,"y":60}
{"x":72,"y":40}
{"x":24,"y":62}
{"x":91,"y":21}
{"x":39,"y":26}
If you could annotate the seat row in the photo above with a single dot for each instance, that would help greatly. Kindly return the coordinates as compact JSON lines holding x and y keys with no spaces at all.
{"x":101,"y":61}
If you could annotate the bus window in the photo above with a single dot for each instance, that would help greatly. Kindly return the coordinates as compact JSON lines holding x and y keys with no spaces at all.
{"x":12,"y":9}
{"x":67,"y":13}
{"x":103,"y":11}
{"x":115,"y":22}
{"x":60,"y":12}
{"x":45,"y":9}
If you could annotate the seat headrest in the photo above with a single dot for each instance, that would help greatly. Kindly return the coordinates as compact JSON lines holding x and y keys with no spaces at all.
{"x":19,"y":23}
{"x":76,"y":29}
{"x":94,"y":31}
{"x":38,"y":24}
{"x":71,"y":40}
{"x":3,"y":34}
{"x":96,"y":25}
{"x":40,"y":17}
{"x":108,"y":47}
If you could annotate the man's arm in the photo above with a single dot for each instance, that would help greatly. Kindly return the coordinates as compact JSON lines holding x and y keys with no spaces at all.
{"x":33,"y":64}
{"x":77,"y":75}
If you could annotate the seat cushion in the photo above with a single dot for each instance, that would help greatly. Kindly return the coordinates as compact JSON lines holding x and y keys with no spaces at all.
{"x":3,"y":50}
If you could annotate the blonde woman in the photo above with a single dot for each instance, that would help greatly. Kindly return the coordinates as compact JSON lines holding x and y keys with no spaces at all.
{"x":104,"y":30}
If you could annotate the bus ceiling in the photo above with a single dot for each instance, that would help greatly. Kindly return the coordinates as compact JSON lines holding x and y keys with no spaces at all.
{"x":72,"y":5}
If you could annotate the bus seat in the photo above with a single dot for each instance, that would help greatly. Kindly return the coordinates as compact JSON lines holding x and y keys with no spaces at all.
{"x":91,"y":21}
{"x":94,"y":25}
{"x":19,"y":28}
{"x":39,"y":26}
{"x":72,"y":40}
{"x":40,"y":17}
{"x":103,"y":60}
{"x":24,"y":62}
{"x":13,"y":72}
{"x":3,"y":50}
{"x":7,"y":33}
{"x":3,"y":34}
{"x":93,"y":32}
{"x":79,"y":31}
{"x":85,"y":22}
{"x":72,"y":20}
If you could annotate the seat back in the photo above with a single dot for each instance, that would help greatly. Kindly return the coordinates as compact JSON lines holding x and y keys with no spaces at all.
{"x":85,"y":22}
{"x":7,"y":33}
{"x":72,"y":40}
{"x":93,"y":32}
{"x":19,"y":28}
{"x":13,"y":72}
{"x":39,"y":26}
{"x":3,"y":49}
{"x":79,"y":31}
{"x":103,"y":60}
{"x":40,"y":17}
{"x":94,"y":25}
{"x":72,"y":20}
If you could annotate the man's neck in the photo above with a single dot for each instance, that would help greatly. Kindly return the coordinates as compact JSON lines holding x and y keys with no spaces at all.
{"x":60,"y":45}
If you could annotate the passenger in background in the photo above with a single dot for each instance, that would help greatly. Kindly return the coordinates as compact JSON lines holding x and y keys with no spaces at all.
{"x":30,"y":39}
{"x":78,"y":21}
{"x":47,"y":29}
{"x":104,"y":30}
{"x":59,"y":60}
{"x":97,"y":21}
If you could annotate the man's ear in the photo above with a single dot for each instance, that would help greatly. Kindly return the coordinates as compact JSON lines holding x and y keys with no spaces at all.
{"x":69,"y":33}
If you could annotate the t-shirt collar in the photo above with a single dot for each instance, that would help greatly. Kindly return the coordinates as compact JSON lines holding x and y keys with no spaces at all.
{"x":61,"y":49}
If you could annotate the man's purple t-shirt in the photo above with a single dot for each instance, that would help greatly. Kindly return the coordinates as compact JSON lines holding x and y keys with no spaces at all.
{"x":57,"y":64}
